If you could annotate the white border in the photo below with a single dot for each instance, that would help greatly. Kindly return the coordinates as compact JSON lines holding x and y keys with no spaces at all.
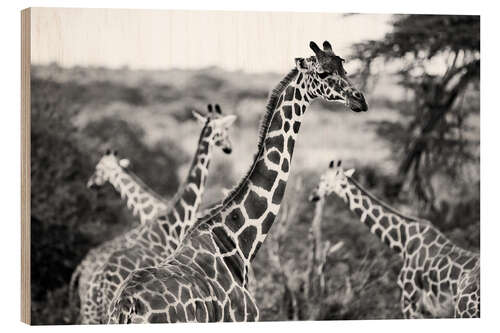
{"x":490,"y":116}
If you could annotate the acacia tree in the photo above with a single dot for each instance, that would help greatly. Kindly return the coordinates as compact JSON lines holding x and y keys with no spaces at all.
{"x":437,"y":61}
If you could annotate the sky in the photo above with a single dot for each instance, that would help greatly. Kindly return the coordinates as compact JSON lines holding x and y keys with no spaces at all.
{"x":161,"y":39}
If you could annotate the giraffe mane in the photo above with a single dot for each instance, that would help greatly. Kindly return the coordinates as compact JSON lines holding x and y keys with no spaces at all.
{"x":386,"y":206}
{"x":263,"y":129}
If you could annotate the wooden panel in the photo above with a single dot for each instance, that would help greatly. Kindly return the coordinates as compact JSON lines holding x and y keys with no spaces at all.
{"x":25,"y":165}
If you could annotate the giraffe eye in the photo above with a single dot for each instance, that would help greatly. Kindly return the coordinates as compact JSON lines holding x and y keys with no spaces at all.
{"x":323,"y":75}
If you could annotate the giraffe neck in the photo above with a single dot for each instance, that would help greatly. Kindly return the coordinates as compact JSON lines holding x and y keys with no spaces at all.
{"x":142,"y":200}
{"x":316,"y":226}
{"x":241,"y":225}
{"x":389,"y":225}
{"x":182,"y":210}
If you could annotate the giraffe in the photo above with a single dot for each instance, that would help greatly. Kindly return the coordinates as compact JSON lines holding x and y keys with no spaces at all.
{"x":160,"y":238}
{"x":438,"y":278}
{"x":206,"y":279}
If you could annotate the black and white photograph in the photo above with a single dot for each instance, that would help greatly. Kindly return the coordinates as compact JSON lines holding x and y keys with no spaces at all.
{"x":237,"y":166}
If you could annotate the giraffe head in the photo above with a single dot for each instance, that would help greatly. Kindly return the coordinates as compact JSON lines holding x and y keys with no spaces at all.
{"x":108,"y":165}
{"x":325,"y":77}
{"x":333,"y":180}
{"x":218,"y":125}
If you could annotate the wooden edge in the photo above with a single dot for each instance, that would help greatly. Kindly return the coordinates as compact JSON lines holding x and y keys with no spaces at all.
{"x":25,"y":166}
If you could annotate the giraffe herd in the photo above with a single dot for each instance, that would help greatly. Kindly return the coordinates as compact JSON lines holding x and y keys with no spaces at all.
{"x":182,"y":265}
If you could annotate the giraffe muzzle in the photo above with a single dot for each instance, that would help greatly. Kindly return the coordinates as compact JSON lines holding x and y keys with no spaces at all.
{"x":356,"y":102}
{"x":314,"y":197}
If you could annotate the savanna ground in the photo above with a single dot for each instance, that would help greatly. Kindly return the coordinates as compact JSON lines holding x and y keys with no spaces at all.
{"x":78,"y":113}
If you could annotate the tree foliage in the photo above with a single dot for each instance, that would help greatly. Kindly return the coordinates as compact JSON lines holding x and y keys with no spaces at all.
{"x":436,"y":58}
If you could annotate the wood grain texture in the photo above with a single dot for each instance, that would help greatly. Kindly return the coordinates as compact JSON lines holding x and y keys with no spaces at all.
{"x":159,"y":39}
{"x":25,"y":166}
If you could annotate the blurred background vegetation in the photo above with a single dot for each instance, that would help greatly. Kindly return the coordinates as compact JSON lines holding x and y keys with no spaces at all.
{"x":417,"y":148}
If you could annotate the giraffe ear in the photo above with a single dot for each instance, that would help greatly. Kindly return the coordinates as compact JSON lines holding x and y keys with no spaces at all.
{"x":327,"y":46}
{"x":201,"y":119}
{"x":301,"y":65}
{"x":124,"y":163}
{"x":349,"y":172}
{"x":314,"y":47}
{"x":228,"y":120}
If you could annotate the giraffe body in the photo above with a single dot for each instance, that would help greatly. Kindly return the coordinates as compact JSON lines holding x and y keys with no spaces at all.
{"x":211,"y":266}
{"x":432,"y":270}
{"x":179,"y":291}
{"x":151,"y":243}
{"x":432,"y":265}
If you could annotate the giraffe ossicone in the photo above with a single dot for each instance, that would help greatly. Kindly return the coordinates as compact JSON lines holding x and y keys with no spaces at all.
{"x":438,"y":278}
{"x":206,"y":279}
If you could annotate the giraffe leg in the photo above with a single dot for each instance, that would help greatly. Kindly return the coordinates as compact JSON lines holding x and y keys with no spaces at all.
{"x":411,"y":306}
